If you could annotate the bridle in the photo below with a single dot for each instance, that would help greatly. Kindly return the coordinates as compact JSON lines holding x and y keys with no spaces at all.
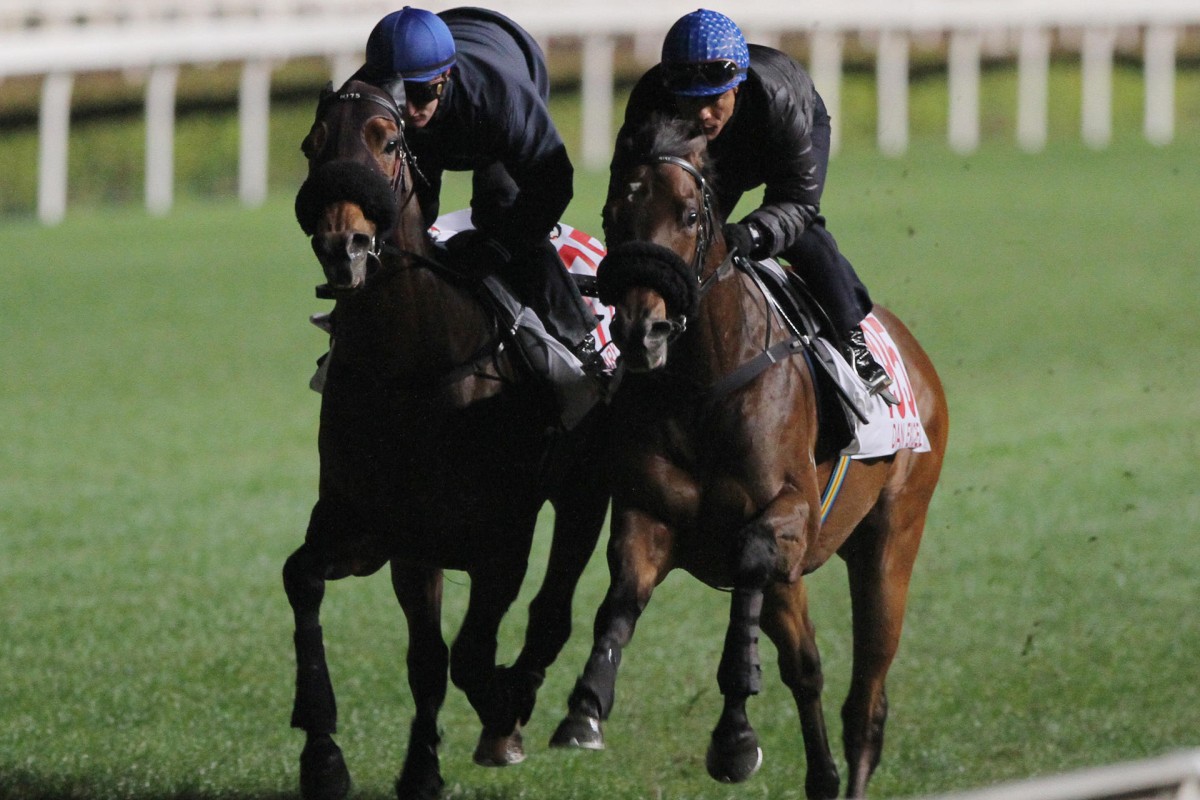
{"x":405,"y":155}
{"x":487,"y":355}
{"x":705,"y":235}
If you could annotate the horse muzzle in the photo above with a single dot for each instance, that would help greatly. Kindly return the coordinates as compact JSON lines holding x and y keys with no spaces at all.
{"x":644,"y":340}
{"x":348,"y":258}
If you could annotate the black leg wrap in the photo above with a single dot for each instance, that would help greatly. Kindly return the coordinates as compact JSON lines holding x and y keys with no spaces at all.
{"x":315,"y":710}
{"x":740,"y":672}
{"x":595,"y":690}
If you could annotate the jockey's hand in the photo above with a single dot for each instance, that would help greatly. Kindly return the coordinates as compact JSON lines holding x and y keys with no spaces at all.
{"x":476,"y":253}
{"x":739,"y":238}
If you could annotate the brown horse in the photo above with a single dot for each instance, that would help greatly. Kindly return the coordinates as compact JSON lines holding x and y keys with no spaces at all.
{"x":719,"y":471}
{"x":436,"y":453}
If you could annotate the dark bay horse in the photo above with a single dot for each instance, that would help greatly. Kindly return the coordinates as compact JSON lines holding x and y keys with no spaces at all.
{"x":436,"y":453}
{"x":723,"y":478}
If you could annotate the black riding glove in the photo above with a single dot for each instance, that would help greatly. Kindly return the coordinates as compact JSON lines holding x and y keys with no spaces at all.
{"x":476,"y":253}
{"x":740,"y":238}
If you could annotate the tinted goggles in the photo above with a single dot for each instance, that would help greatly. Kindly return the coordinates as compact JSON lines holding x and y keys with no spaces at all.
{"x":680,"y":76}
{"x":422,"y":94}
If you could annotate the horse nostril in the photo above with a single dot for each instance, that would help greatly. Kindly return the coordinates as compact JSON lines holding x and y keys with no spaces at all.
{"x":661,"y":329}
{"x":359,"y":245}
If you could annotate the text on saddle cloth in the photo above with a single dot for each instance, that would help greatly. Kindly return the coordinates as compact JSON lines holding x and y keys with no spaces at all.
{"x":889,"y":428}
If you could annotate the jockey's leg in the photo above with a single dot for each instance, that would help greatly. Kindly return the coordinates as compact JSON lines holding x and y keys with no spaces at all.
{"x":835,"y":285}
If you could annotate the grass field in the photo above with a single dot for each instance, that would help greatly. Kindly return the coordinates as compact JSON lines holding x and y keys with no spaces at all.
{"x":158,"y":462}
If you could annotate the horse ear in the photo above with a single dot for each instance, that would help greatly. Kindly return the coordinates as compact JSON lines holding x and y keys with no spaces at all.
{"x":326,"y":90}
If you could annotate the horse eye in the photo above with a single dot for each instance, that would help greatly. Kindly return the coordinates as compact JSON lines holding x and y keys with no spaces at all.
{"x":692,"y":217}
{"x":391,"y":147}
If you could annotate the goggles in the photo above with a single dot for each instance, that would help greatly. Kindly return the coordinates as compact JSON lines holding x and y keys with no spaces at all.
{"x":421,"y":93}
{"x":680,"y":76}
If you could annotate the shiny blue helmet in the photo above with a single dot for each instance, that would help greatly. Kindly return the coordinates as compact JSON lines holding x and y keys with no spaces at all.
{"x":704,"y":54}
{"x":412,"y":43}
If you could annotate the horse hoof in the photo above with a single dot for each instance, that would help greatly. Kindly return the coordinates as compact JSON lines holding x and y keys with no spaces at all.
{"x":323,"y":773}
{"x":580,"y":731}
{"x":499,"y":751}
{"x":733,"y":761}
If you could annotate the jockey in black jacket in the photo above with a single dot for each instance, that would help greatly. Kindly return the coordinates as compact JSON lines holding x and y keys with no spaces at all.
{"x":766,"y":126}
{"x":475,"y":89}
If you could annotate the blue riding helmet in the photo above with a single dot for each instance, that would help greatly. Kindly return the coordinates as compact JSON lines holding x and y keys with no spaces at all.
{"x":412,"y":43}
{"x":704,"y":54}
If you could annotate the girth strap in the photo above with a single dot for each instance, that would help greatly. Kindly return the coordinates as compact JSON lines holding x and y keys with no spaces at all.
{"x":751,"y":369}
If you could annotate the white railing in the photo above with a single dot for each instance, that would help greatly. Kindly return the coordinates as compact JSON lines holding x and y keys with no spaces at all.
{"x":1171,"y":777}
{"x":58,"y":39}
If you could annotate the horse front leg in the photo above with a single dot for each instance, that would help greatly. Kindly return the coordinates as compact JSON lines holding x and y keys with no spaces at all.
{"x":639,"y":557}
{"x":756,"y":561}
{"x":733,"y":752}
{"x":323,"y":773}
{"x":419,"y":590}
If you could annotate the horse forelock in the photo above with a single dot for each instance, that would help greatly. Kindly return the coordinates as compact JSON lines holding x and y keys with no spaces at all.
{"x":663,"y":135}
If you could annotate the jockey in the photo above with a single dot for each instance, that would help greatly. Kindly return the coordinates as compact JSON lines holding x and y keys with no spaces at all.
{"x":475,"y":87}
{"x":765,"y":125}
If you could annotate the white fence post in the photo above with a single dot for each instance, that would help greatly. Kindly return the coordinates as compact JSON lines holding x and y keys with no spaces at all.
{"x":1033,"y":80}
{"x":1158,"y":58}
{"x":965,"y":47}
{"x":1097,"y":64}
{"x":254,"y":122}
{"x":825,"y":67}
{"x":597,"y":99}
{"x":891,"y":73}
{"x":160,"y":138}
{"x":54,"y":127}
{"x":343,"y":66}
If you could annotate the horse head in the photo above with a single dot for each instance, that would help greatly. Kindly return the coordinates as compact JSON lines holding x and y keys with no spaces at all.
{"x":663,"y":237}
{"x":359,"y":189}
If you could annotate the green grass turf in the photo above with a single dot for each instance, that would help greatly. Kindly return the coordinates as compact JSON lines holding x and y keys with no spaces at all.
{"x":158,"y":462}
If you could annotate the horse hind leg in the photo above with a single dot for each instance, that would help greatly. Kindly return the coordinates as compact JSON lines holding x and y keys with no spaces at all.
{"x":419,"y":591}
{"x":323,"y":773}
{"x":879,"y":560}
{"x":786,"y":622}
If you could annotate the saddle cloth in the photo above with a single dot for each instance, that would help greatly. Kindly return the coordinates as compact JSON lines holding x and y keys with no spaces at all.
{"x":581,"y":255}
{"x":888,"y":428}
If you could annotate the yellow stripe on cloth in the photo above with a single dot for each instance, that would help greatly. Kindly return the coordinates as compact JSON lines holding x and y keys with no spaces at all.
{"x":836,"y":478}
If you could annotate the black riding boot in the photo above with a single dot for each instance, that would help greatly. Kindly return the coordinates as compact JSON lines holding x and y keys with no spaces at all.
{"x":870,"y":370}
